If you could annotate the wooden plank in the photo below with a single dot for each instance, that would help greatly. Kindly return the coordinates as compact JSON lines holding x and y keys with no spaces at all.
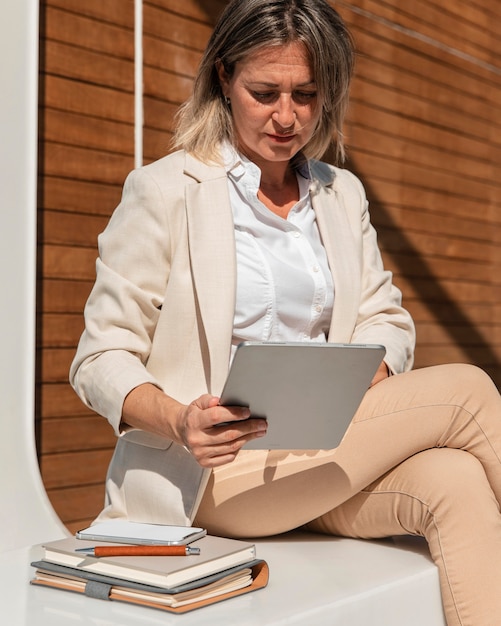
{"x":60,"y":330}
{"x":431,"y":156}
{"x":426,"y":111}
{"x":420,"y":177}
{"x":72,"y":228}
{"x":432,"y":355}
{"x":74,"y":526}
{"x":387,"y":193}
{"x":362,"y":25}
{"x":92,"y":67}
{"x":439,"y":221}
{"x":90,"y":165}
{"x":88,"y":132}
{"x":175,"y":28}
{"x":479,"y":315}
{"x":76,"y":434}
{"x":68,"y":262}
{"x":90,"y":99}
{"x":396,"y":124}
{"x":455,"y":291}
{"x":167,"y":86}
{"x":414,"y":264}
{"x":440,"y":88}
{"x":159,"y":115}
{"x":55,"y":364}
{"x":165,"y":55}
{"x":440,"y":247}
{"x":58,"y":400}
{"x":440,"y":23}
{"x":78,"y":196}
{"x":78,"y":503}
{"x":64,"y":296}
{"x":201,"y":10}
{"x":89,"y":33}
{"x":75,"y":468}
{"x":156,"y":144}
{"x":116,"y":12}
{"x":436,"y":334}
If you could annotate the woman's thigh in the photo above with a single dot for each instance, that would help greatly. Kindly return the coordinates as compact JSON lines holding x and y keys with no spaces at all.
{"x":269,"y":492}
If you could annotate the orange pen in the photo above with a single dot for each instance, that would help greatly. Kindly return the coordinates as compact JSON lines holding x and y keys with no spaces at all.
{"x":128,"y":550}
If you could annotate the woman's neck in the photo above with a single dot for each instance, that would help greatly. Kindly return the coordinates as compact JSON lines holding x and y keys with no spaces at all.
{"x":279,"y":193}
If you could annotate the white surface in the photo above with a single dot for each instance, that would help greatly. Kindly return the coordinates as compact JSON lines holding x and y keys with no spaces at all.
{"x":314,"y":580}
{"x":27,"y":515}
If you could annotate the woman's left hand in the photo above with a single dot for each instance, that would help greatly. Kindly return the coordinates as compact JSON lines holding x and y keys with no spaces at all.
{"x":382,"y":373}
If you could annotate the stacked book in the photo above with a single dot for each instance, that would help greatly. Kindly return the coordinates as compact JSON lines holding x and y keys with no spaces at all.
{"x":172,"y":568}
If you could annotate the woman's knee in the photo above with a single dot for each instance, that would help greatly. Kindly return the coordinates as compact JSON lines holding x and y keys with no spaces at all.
{"x":464,"y":377}
{"x":445,"y":480}
{"x":451,"y":470}
{"x":433,"y":488}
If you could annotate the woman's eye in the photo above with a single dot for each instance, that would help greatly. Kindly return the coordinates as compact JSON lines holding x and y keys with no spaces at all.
{"x":301,"y":97}
{"x":267,"y":96}
{"x":305,"y":96}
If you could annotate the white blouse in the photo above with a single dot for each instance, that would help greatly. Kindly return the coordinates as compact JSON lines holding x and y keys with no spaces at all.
{"x":285,"y":290}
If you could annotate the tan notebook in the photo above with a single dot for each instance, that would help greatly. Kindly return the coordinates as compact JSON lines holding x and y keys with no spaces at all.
{"x":216,"y":588}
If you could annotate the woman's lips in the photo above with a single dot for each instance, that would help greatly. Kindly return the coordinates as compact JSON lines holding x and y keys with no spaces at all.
{"x":282,"y":138}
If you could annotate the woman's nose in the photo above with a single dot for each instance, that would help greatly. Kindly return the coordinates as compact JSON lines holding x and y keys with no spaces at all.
{"x":284,"y":115}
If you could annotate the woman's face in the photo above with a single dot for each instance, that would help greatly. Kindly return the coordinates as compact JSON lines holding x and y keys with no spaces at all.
{"x":274,"y":102}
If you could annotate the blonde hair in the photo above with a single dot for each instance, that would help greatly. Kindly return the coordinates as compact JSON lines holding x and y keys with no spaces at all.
{"x":204,"y":122}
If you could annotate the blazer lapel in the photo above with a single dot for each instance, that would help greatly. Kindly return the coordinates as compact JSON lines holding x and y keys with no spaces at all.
{"x":213,"y":263}
{"x":339,"y":244}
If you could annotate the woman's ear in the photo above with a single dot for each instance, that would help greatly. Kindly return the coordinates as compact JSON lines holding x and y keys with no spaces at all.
{"x":224,"y":78}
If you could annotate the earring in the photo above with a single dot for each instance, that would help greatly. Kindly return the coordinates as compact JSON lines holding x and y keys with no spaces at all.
{"x":228,"y":101}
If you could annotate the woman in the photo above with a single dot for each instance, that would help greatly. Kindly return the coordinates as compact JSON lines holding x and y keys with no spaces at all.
{"x":242,"y":235}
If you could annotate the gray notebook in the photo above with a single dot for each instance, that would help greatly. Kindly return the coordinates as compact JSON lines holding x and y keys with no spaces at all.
{"x":308,"y":392}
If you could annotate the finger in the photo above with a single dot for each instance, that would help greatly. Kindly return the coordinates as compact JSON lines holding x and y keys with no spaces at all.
{"x":225,"y":440}
{"x":206,"y":401}
{"x":239,"y":428}
{"x":225,"y":453}
{"x":227,"y":415}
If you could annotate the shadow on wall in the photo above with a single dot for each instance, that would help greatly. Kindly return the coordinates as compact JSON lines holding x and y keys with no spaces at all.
{"x":212,"y":8}
{"x":448,"y":313}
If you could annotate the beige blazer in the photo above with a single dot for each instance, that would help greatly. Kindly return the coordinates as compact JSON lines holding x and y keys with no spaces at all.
{"x":161,"y":311}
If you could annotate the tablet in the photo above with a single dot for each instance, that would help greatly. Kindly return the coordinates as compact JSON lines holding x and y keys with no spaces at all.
{"x":308,"y":392}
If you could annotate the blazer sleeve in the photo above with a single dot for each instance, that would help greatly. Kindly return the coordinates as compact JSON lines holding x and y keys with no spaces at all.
{"x":381,"y":318}
{"x":122,"y":310}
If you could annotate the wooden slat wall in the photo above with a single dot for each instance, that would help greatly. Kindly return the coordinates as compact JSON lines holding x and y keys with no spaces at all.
{"x":423,"y":134}
{"x":86,"y":149}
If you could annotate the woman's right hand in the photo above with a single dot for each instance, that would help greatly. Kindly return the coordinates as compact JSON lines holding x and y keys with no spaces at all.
{"x":212,"y":433}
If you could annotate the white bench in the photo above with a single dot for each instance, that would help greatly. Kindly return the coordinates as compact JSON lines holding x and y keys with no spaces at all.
{"x":314,"y":580}
{"x":317,"y":580}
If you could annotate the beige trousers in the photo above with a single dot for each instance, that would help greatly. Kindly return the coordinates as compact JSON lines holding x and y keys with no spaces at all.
{"x":422,"y":456}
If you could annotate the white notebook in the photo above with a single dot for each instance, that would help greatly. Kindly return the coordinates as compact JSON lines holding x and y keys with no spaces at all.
{"x":124,"y":531}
